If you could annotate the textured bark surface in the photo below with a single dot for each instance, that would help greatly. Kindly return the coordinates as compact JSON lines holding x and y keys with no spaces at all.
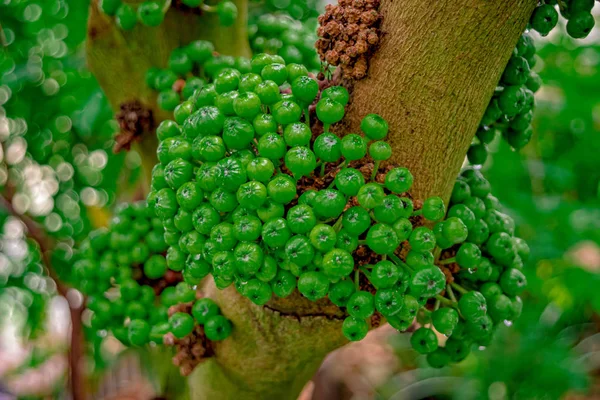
{"x":270,"y":354}
{"x":432,"y":78}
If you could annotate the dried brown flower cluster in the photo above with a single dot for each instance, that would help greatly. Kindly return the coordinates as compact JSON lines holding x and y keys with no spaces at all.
{"x":134,"y":120}
{"x":348,"y":35}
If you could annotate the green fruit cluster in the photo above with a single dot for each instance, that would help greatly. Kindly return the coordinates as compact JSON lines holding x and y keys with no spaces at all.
{"x":300,"y":10}
{"x":511,"y":108}
{"x":235,"y":190}
{"x":149,"y":13}
{"x":292,"y":40}
{"x":479,"y":249}
{"x":152,"y":13}
{"x":180,"y":80}
{"x":578,"y":13}
{"x":123,"y":271}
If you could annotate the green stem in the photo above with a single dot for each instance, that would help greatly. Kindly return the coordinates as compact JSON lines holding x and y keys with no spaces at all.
{"x":326,"y":128}
{"x":338,"y":224}
{"x":445,"y":301}
{"x":399,"y":262}
{"x":375,"y":170}
{"x":451,"y":293}
{"x":437,"y":304}
{"x":447,"y":261}
{"x":366,"y":272}
{"x":417,"y":212}
{"x":356,"y":279}
{"x":437,"y":252}
{"x":307,"y":116}
{"x":459,"y":288}
{"x":323,"y":169}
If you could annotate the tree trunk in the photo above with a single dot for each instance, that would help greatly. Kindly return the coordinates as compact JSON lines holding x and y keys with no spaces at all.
{"x":273,"y":350}
{"x":431,"y":78}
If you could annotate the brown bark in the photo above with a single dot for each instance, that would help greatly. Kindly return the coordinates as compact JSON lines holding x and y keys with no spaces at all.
{"x":432,"y":78}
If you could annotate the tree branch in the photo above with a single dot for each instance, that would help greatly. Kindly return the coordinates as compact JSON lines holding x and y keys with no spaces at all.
{"x":77,"y":347}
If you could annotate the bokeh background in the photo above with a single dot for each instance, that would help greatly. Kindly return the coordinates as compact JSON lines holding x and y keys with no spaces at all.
{"x":56,"y":131}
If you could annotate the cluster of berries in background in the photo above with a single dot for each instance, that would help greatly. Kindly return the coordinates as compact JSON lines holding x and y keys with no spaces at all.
{"x":299,"y":10}
{"x":482,"y":261}
{"x":510,"y":110}
{"x":293,"y":40}
{"x":578,"y":14}
{"x":152,"y":13}
{"x":123,"y":272}
{"x":177,"y":83}
{"x":255,"y":191}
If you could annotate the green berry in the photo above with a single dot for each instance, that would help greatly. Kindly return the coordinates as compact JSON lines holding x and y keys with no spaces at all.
{"x":340,"y":292}
{"x":305,"y":89}
{"x":385,"y":274}
{"x":275,"y":72}
{"x":580,"y":24}
{"x":217,"y":327}
{"x":329,"y":203}
{"x":125,"y":18}
{"x":150,"y":13}
{"x":328,"y":147}
{"x":138,"y":332}
{"x":227,"y":12}
{"x":472,"y":305}
{"x":512,"y":281}
{"x":286,"y":112}
{"x":398,"y":180}
{"x":382,"y":239}
{"x":438,"y":358}
{"x":380,"y":151}
{"x":338,"y":263}
{"x":424,"y":341}
{"x":349,"y":181}
{"x":355,"y":329}
{"x":182,"y":324}
{"x":258,"y":292}
{"x":361,"y":305}
{"x":370,"y":195}
{"x":445,"y":320}
{"x":374,"y":127}
{"x":313,"y":285}
{"x":329,"y":111}
{"x":356,"y":220}
{"x":276,"y":233}
{"x":388,"y":301}
{"x":301,"y":161}
{"x":427,"y":282}
{"x":353,"y":147}
{"x":297,"y":134}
